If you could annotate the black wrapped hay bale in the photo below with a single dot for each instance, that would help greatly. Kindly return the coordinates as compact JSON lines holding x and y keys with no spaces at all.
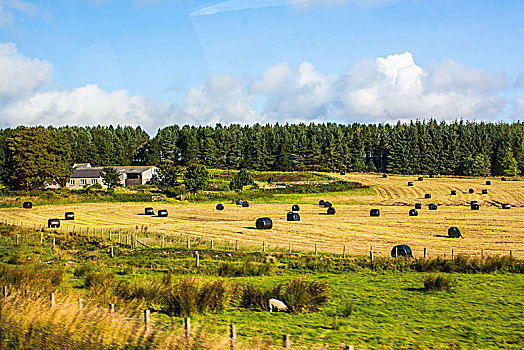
{"x":162,"y":213}
{"x":27,"y":205}
{"x":431,"y":176}
{"x":53,"y":223}
{"x":374,"y":212}
{"x":427,"y":195}
{"x":502,"y":179}
{"x":454,"y":232}
{"x":453,"y":192}
{"x":488,"y":182}
{"x":401,"y":250}
{"x":291,"y":216}
{"x":342,"y":172}
{"x":295,"y":207}
{"x":239,"y":202}
{"x":149,"y":211}
{"x":420,"y":178}
{"x":264,"y":223}
{"x":475,"y":207}
{"x":410,"y":183}
{"x":69,"y":215}
{"x":418,"y":205}
{"x":384,"y":175}
{"x":432,"y":206}
{"x":506,"y":206}
{"x":245,"y":204}
{"x":413,"y":212}
{"x":327,"y":204}
{"x":331,"y":211}
{"x":471,"y":190}
{"x":484,"y":191}
{"x":321,"y":202}
{"x":220,"y":206}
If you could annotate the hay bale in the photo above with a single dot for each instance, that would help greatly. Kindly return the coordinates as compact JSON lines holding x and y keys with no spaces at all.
{"x":295,"y":207}
{"x":475,"y":207}
{"x":401,"y":250}
{"x":471,"y":190}
{"x":245,"y":204}
{"x":321,"y":202}
{"x":453,"y":192}
{"x":418,"y":205}
{"x":374,"y":212}
{"x":342,"y":172}
{"x":432,"y":206}
{"x":427,"y":195}
{"x":413,"y":212}
{"x":502,"y":179}
{"x":484,"y":191}
{"x":327,"y":204}
{"x":53,"y":223}
{"x":239,"y":202}
{"x":220,"y":206}
{"x":431,"y":176}
{"x":69,"y":215}
{"x":149,"y":211}
{"x":264,"y":223}
{"x":331,"y":211}
{"x":420,"y":178}
{"x":292,"y":216}
{"x":488,"y":183}
{"x":162,"y":213}
{"x":454,"y":232}
{"x":410,"y":183}
{"x":506,"y":206}
{"x":384,"y":175}
{"x":27,"y":205}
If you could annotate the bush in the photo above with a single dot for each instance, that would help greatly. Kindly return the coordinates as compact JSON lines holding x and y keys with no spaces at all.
{"x":36,"y":277}
{"x":439,"y":282}
{"x":257,"y":298}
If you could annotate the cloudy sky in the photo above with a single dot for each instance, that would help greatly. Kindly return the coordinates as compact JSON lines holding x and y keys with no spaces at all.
{"x":161,"y":62}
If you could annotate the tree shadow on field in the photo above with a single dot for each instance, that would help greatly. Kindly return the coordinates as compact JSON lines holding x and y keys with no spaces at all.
{"x":412,"y":289}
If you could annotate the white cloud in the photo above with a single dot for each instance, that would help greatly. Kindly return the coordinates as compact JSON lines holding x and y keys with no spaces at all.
{"x":519,"y":81}
{"x":20,"y":75}
{"x":88,"y":105}
{"x":8,"y":9}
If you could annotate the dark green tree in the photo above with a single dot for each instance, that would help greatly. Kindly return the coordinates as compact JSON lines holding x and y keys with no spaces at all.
{"x":168,"y":173}
{"x":477,"y":165}
{"x":240,"y":180}
{"x":196,"y":177}
{"x":110,"y":177}
{"x":34,"y":159}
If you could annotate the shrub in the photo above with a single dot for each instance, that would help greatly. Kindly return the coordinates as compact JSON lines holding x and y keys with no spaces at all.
{"x":181,"y":299}
{"x":302,"y":295}
{"x":257,"y":298}
{"x":439,"y":282}
{"x":34,"y":277}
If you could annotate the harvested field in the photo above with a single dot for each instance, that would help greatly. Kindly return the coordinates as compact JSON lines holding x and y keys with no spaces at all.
{"x":492,"y":229}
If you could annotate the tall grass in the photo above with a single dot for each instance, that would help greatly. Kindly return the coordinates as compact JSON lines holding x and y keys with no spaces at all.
{"x":34,"y":277}
{"x":32,"y":324}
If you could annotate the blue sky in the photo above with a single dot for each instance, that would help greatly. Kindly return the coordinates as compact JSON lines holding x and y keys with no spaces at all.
{"x":160,"y":62}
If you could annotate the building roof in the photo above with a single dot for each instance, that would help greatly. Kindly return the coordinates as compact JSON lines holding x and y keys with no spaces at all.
{"x":94,"y":172}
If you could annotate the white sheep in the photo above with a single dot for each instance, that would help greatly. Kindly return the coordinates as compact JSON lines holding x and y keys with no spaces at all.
{"x":277,"y":304}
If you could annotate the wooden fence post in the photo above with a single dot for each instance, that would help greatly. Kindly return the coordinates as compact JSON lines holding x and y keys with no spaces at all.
{"x":425,"y":252}
{"x":52,"y":299}
{"x":482,"y":253}
{"x":236,"y":245}
{"x":197,"y":259}
{"x":80,"y":304}
{"x":287,"y":341}
{"x":511,"y":253}
{"x":147,"y":318}
{"x":316,"y":252}
{"x":17,"y":239}
{"x":163,"y":241}
{"x":119,"y":238}
{"x":371,"y":253}
{"x":212,"y":244}
{"x":4,"y":291}
{"x":344,"y":252}
{"x":112,"y":252}
{"x":26,"y":293}
{"x":112,"y":308}
{"x":452,"y":254}
{"x":188,"y":242}
{"x":110,"y":235}
{"x":41,"y":237}
{"x":54,"y":243}
{"x":233,"y":336}
{"x":289,"y":248}
{"x":264,"y":246}
{"x":187,"y":327}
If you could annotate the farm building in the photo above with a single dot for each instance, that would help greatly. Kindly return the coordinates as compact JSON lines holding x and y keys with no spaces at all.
{"x":84,"y":174}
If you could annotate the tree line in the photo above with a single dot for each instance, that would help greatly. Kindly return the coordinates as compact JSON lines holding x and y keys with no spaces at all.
{"x":419,"y":147}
